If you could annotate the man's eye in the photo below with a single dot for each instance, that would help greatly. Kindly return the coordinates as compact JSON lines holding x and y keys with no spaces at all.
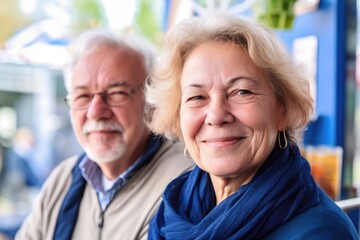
{"x":118,"y":96}
{"x":82,"y":97}
{"x":118,"y":93}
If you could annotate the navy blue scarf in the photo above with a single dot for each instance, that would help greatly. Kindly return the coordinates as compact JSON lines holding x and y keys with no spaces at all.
{"x":281,"y":189}
{"x":69,"y":209}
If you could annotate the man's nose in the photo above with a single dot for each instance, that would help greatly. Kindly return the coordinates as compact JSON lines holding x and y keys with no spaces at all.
{"x":98,"y":108}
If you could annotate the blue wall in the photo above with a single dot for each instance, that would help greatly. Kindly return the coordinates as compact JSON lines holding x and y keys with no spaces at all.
{"x":328,"y":23}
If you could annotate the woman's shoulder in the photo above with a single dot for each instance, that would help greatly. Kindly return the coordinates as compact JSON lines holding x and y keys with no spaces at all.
{"x":325,"y":220}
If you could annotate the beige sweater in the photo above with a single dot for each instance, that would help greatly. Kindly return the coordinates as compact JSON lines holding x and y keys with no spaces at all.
{"x":128,"y":215}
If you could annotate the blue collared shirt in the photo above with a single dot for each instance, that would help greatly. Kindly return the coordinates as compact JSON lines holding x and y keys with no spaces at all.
{"x":93,"y":174}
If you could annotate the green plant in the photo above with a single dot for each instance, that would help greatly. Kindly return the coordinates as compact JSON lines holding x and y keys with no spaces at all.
{"x":278,"y":14}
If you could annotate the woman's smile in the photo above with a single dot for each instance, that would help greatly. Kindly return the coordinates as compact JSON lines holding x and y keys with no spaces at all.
{"x":223,"y":141}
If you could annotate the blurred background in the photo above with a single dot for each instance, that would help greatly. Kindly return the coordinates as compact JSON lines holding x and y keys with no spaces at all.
{"x":35,"y":129}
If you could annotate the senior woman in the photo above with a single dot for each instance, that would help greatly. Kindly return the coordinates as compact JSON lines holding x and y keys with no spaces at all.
{"x":227,"y":87}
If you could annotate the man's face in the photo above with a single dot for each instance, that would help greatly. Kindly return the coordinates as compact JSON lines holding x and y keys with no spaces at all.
{"x":110,"y":133}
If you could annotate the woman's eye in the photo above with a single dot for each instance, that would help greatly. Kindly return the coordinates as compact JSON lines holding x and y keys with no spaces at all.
{"x":241,"y":92}
{"x":195,"y":98}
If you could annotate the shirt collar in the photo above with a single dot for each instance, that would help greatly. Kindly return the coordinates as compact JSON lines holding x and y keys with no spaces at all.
{"x":93,"y":174}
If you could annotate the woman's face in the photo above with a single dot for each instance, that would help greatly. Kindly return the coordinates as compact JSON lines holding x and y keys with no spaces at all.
{"x":229,"y":116}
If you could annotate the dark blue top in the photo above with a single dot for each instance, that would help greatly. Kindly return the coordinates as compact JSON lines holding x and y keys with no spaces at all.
{"x":310,"y":224}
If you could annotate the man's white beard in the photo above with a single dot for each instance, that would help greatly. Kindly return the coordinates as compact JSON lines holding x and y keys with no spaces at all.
{"x":108,"y":156}
{"x":116,"y":151}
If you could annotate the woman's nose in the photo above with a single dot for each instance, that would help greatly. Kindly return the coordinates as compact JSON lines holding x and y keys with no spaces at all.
{"x":218,"y":113}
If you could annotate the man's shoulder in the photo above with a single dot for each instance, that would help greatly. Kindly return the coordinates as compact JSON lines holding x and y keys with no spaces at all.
{"x":168,"y":163}
{"x":171,"y":156}
{"x":60,"y":177}
{"x":64,"y":167}
{"x":41,"y":221}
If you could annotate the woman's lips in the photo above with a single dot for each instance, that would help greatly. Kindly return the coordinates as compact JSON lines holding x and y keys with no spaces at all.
{"x":223,"y":141}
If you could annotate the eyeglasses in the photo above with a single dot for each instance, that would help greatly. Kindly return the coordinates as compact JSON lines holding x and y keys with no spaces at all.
{"x":114,"y":97}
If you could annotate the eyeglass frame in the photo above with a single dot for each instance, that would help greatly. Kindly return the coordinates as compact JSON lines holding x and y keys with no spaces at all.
{"x":104,"y":96}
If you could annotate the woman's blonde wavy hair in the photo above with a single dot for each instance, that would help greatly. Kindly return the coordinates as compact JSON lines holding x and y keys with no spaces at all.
{"x":266,"y":50}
